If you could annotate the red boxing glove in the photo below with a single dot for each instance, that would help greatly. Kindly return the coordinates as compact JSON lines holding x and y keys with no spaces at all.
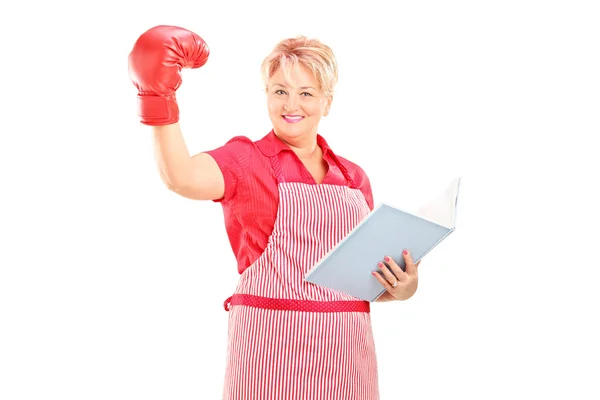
{"x":155,"y":65}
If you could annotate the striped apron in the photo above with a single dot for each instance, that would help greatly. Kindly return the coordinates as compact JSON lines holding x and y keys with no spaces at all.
{"x":290,"y":339}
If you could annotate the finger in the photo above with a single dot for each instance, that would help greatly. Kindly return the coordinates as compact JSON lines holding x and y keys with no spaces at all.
{"x":411,"y":268}
{"x":401,"y":275}
{"x":383,"y":281}
{"x":389,"y":276}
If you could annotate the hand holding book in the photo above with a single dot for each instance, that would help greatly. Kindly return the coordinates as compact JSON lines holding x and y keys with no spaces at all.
{"x":399,"y":284}
{"x":348,"y":267}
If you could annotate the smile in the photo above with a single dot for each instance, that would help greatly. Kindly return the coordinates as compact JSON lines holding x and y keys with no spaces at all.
{"x":292,"y":119}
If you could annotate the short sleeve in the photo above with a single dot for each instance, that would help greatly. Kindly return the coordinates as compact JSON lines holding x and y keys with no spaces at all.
{"x":234,"y":159}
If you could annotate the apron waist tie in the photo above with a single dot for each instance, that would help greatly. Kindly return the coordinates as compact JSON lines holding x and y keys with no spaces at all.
{"x":296,"y":305}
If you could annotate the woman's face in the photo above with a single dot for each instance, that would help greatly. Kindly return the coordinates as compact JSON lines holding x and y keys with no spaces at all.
{"x":296,"y":107}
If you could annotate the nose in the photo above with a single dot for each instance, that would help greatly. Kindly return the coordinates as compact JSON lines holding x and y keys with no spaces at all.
{"x":290,"y":103}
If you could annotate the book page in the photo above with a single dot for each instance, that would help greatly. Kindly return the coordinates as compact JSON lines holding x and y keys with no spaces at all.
{"x":442,"y":209}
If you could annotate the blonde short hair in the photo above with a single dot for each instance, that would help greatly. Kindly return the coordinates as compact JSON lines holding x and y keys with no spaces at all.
{"x":311,"y":53}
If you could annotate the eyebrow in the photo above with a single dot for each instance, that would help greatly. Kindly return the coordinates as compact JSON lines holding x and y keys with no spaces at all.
{"x":303,"y":87}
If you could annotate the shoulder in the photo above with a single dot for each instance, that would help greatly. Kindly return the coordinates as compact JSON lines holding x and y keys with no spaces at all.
{"x":356,"y":171}
{"x":237,"y":150}
{"x":360,"y":178}
{"x":240,"y":142}
{"x":235,"y":159}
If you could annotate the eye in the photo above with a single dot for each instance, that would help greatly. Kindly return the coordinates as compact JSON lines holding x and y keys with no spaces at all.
{"x":306,"y":93}
{"x":279,"y":92}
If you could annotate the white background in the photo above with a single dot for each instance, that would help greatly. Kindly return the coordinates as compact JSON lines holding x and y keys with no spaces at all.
{"x":111,"y":287}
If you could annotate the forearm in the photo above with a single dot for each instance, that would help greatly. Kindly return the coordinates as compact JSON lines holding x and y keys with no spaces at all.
{"x":172,"y":156}
{"x":385,"y":297}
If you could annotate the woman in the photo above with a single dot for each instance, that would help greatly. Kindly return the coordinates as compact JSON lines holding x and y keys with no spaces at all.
{"x":287,"y":199}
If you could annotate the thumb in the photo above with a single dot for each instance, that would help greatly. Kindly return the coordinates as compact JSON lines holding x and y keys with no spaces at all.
{"x":411,"y":268}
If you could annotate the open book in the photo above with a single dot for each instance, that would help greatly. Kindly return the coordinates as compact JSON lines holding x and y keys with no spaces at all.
{"x":387,"y":230}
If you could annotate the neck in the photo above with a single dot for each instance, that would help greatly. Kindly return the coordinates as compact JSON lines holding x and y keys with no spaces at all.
{"x":304,"y":147}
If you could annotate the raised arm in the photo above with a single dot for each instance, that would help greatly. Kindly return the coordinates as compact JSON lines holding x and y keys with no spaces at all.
{"x":196,"y":177}
{"x":155,"y":65}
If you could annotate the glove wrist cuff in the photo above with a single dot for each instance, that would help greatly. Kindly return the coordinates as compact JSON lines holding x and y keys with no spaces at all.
{"x":156,"y":110}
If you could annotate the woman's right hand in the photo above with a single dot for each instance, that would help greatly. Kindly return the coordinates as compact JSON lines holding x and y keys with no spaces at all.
{"x":155,"y":65}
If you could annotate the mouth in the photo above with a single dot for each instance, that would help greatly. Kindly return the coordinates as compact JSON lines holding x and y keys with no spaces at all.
{"x":292,"y":119}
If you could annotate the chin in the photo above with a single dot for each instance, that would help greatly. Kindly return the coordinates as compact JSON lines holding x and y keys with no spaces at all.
{"x":291,"y":132}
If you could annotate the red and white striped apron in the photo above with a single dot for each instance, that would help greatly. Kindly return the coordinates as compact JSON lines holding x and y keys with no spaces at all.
{"x":290,"y":339}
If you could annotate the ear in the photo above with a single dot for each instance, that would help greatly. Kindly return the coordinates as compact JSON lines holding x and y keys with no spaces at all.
{"x":328,"y":106}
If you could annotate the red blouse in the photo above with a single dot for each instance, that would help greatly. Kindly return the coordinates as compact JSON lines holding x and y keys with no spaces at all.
{"x":251,"y":197}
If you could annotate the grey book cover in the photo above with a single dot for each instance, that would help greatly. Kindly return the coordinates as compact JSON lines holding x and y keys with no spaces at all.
{"x":387,"y":230}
